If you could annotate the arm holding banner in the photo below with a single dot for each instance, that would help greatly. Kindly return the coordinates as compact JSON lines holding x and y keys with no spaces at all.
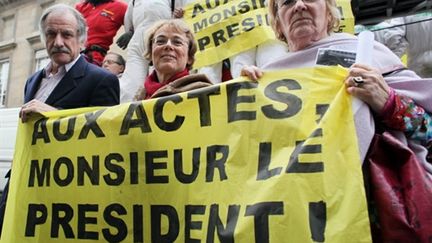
{"x":364,"y":82}
{"x":252,"y":72}
{"x":258,"y":56}
{"x":396,"y":111}
{"x":242,"y":60}
{"x":34,"y":106}
{"x":367,"y":84}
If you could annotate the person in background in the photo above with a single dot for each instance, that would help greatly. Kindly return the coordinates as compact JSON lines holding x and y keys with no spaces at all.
{"x":104,"y":18}
{"x":68,"y":81}
{"x":392,"y":96}
{"x":171,"y":48}
{"x":140,"y":16}
{"x":115,"y":63}
{"x":411,"y":35}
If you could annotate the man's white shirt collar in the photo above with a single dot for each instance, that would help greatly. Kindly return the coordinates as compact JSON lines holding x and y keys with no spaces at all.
{"x":67,"y":66}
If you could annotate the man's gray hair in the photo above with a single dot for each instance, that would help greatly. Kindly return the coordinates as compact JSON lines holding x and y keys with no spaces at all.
{"x":82,"y":24}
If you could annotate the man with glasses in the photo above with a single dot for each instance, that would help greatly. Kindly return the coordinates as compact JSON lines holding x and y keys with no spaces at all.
{"x":114,"y":63}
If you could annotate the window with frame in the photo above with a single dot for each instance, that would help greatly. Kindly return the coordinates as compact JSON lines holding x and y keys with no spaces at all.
{"x":41,"y":59}
{"x":7,"y":28}
{"x":4,"y":75}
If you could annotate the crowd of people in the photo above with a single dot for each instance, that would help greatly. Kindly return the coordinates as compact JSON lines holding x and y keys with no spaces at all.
{"x":393,"y":98}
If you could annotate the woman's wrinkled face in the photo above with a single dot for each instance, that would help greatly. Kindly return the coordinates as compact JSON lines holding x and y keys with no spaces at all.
{"x":170,"y":51}
{"x":303,"y":20}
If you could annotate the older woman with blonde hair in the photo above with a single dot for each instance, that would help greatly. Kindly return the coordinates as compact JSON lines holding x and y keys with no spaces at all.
{"x":171,"y":50}
{"x":331,"y":23}
{"x":393,"y":98}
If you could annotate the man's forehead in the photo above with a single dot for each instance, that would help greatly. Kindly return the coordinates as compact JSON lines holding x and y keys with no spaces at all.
{"x":60,"y":29}
{"x":61,"y":19}
{"x":110,"y":57}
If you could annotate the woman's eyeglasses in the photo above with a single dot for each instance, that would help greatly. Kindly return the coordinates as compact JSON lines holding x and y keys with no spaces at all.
{"x":291,"y":3}
{"x":110,"y":62}
{"x":176,"y":41}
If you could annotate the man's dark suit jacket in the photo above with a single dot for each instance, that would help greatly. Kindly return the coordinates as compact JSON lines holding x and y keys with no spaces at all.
{"x":83,"y":85}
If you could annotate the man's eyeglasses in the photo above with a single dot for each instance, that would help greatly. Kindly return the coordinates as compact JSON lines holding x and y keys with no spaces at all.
{"x":110,"y":62}
{"x":291,"y":3}
{"x":176,"y":41}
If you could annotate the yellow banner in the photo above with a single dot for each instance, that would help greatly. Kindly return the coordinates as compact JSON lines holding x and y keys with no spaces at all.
{"x":347,"y":17}
{"x":273,"y":161}
{"x":224,"y":28}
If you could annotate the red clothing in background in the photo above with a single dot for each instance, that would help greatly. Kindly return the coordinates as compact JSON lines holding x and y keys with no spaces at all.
{"x":103,"y":22}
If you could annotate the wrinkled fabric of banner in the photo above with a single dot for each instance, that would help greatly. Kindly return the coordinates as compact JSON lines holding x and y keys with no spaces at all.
{"x":269,"y":161}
